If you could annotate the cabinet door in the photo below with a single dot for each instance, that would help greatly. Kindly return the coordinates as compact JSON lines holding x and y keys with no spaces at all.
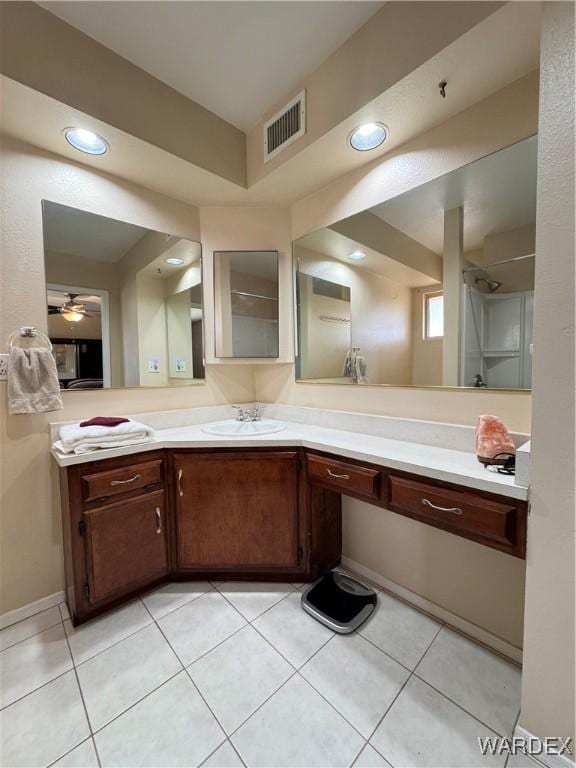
{"x":126,"y":545}
{"x":237,"y":511}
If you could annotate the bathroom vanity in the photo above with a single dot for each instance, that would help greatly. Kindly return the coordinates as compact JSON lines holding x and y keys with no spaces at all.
{"x":263,"y":512}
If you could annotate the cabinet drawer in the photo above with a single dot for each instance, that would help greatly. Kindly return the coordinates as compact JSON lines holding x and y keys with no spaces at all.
{"x":103,"y":485}
{"x":463,"y":512}
{"x":348,"y":477}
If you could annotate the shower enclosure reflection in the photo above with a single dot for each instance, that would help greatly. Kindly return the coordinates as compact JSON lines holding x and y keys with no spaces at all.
{"x":431,"y":288}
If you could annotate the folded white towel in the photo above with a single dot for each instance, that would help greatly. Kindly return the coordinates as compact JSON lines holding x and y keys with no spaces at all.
{"x":77,"y":439}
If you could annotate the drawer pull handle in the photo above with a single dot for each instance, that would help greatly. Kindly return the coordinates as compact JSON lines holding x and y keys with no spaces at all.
{"x":158,"y":520}
{"x":123,"y":482}
{"x":453,"y":510}
{"x":180,"y":491}
{"x":337,"y":476}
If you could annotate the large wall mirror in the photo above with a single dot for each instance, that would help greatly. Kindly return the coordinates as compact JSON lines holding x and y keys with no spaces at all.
{"x":246,"y":303}
{"x":431,"y":288}
{"x":124,"y":303}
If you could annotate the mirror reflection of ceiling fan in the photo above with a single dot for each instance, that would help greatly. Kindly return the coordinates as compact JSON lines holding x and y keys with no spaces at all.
{"x":71,"y":310}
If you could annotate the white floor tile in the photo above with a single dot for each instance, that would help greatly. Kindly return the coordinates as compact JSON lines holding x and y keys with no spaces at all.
{"x":239,"y":675}
{"x":483,"y":683}
{"x":253,"y":598}
{"x":83,"y":756}
{"x":296,"y":727}
{"x":171,"y":727}
{"x":28,"y":627}
{"x":292,"y":631}
{"x":369,"y":758}
{"x":522,"y":761}
{"x":120,"y":676}
{"x":224,"y":757}
{"x":357,"y":679}
{"x":199,"y":626}
{"x":32,"y":663}
{"x":175,"y":595}
{"x":423,"y":729}
{"x":400,"y":630}
{"x":41,"y":727}
{"x":89,"y":639}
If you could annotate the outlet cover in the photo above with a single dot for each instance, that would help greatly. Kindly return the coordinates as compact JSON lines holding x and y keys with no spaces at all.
{"x":3,"y":366}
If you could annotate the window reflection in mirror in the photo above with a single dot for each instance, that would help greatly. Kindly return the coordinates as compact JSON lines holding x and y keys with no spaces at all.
{"x":439,"y":283}
{"x":246,"y":303}
{"x":124,"y":302}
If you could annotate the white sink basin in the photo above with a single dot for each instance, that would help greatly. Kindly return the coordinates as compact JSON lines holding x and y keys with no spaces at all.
{"x":233,"y":428}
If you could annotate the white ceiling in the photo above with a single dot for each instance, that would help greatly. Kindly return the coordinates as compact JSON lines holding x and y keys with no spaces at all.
{"x":238,"y":59}
{"x":69,"y":230}
{"x":498,"y":193}
{"x":337,"y":246}
{"x":59,"y":298}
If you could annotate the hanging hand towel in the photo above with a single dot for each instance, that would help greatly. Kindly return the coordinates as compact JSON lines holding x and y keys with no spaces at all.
{"x":77,"y":439}
{"x":33,"y":385}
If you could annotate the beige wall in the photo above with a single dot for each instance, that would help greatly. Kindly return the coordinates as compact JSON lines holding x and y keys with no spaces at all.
{"x":31,"y":548}
{"x":392,"y":44}
{"x":426,"y":353}
{"x":548,"y":684}
{"x":381,"y":314}
{"x":504,"y":118}
{"x":152,"y":332}
{"x":43,"y":52}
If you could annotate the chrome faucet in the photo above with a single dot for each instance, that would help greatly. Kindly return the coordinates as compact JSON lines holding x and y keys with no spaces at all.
{"x":244,"y":414}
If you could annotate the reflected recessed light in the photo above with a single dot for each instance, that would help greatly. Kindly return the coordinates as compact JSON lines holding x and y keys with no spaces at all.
{"x":175,"y":260}
{"x":357,"y":256}
{"x":368,"y":136}
{"x":86,"y":141}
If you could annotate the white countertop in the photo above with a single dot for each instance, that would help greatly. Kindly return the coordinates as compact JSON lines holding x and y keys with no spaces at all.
{"x":449,"y":465}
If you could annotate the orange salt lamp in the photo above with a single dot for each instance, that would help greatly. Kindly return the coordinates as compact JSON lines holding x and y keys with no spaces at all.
{"x":492,"y":438}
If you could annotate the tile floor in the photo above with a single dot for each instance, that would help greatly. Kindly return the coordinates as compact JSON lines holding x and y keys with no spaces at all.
{"x":230,"y":674}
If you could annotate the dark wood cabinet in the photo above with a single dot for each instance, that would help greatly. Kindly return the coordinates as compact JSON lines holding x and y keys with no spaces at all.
{"x":233,"y":513}
{"x":237,"y":511}
{"x":126,"y":545}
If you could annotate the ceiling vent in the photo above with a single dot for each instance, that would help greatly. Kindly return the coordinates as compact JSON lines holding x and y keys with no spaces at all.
{"x":286,"y":126}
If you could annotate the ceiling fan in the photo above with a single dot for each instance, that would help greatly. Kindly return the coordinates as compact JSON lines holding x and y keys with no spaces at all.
{"x":71,"y":310}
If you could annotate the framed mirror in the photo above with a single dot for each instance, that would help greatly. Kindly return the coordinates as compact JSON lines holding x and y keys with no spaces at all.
{"x":124,"y":303}
{"x":432,"y":288}
{"x":246,"y":304}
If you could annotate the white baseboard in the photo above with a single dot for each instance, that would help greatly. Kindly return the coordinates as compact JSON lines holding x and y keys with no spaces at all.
{"x":466,"y":627}
{"x":18,"y":614}
{"x":550,"y":761}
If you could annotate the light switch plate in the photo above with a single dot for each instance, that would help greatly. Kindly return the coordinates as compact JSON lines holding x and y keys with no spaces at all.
{"x":3,"y":366}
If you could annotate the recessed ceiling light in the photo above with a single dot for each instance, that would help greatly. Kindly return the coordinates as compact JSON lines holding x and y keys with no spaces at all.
{"x":368,"y":136}
{"x":176,"y":260}
{"x":357,"y":256}
{"x":86,"y":141}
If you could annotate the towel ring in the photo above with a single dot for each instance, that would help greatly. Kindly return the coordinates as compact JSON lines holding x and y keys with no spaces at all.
{"x":29,"y":332}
